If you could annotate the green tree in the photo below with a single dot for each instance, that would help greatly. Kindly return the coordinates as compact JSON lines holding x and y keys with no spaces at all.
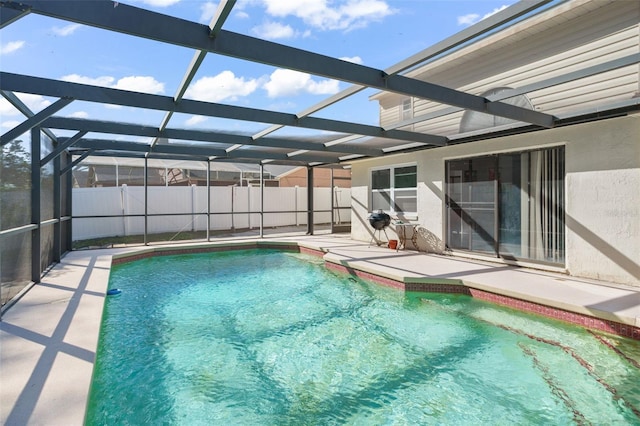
{"x":15,"y":167}
{"x":15,"y":184}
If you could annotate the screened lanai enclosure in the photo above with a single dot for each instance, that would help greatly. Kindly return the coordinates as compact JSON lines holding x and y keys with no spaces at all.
{"x":69,"y":181}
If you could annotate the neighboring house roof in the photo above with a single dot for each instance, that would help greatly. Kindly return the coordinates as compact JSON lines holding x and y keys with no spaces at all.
{"x":102,"y":170}
{"x":186,"y":165}
{"x":106,"y":175}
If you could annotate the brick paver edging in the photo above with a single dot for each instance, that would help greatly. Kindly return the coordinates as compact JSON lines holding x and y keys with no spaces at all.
{"x":583,"y":320}
{"x":586,"y":321}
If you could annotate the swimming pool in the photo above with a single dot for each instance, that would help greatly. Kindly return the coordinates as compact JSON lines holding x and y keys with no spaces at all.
{"x":272,"y":337}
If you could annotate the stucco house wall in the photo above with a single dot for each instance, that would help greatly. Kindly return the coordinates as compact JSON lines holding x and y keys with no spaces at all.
{"x":601,"y":157}
{"x":602,"y":187}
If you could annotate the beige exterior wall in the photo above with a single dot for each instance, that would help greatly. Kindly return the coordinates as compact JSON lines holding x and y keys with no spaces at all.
{"x":570,"y":37}
{"x":602,"y":158}
{"x":602,"y":188}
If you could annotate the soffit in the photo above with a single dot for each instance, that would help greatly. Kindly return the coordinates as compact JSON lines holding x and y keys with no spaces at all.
{"x":552,"y":18}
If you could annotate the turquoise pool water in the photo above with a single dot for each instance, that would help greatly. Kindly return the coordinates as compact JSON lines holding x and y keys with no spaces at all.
{"x":274,"y":338}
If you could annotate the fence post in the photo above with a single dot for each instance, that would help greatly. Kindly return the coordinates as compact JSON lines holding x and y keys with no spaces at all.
{"x":333,"y":206}
{"x":233,"y":190}
{"x":193,"y":207}
{"x":146,"y":199}
{"x":208,"y":199}
{"x":261,"y":200}
{"x":310,"y":201}
{"x":295,"y":207}
{"x":249,"y":204}
{"x":124,"y":196}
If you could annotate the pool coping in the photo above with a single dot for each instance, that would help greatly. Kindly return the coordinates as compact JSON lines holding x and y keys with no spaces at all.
{"x":49,"y":337}
{"x":590,"y":318}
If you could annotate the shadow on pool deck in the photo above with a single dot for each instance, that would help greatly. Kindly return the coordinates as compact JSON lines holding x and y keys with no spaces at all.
{"x":49,"y":337}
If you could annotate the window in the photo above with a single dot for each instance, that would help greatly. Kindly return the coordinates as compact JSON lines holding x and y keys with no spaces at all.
{"x":394,"y":189}
{"x":509,"y":205}
{"x":475,"y":120}
{"x":407,"y":111}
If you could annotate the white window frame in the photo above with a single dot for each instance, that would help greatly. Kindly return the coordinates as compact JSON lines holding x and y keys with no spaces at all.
{"x":406,"y":109}
{"x":394,"y":192}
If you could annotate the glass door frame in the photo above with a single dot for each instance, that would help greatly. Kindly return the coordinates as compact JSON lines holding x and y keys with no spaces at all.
{"x":556,"y":214}
{"x":449,"y":205}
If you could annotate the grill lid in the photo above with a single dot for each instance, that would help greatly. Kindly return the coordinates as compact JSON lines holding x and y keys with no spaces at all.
{"x":379,"y":220}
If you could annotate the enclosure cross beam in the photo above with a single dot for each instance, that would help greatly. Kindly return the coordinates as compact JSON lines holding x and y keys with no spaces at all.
{"x":84,"y":92}
{"x":25,"y":110}
{"x":68,"y":123}
{"x":33,"y":121}
{"x":223,"y":11}
{"x":151,"y":25}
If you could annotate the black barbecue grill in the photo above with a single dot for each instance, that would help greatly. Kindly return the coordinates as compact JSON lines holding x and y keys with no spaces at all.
{"x":379,"y":222}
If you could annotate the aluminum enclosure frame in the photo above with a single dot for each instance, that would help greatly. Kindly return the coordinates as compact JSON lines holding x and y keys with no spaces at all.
{"x":352,"y":140}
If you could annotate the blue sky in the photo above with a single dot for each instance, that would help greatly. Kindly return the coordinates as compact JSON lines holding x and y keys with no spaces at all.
{"x":376,"y":33}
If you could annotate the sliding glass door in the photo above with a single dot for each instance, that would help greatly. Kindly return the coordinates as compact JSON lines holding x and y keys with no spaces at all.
{"x":513,"y":196}
{"x":471,"y":201}
{"x":509,"y":205}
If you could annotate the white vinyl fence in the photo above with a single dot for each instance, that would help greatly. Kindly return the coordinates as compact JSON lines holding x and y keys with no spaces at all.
{"x":231,"y":208}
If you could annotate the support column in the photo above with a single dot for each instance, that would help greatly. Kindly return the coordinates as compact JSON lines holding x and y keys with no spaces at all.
{"x":146,"y":201}
{"x":309,"y":200}
{"x":69,"y":204}
{"x":57,"y":208}
{"x":209,"y":199}
{"x":35,"y":205}
{"x":261,"y":201}
{"x":333,"y":206}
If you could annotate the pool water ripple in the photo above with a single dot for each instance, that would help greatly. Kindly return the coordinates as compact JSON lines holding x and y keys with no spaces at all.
{"x":267,"y":337}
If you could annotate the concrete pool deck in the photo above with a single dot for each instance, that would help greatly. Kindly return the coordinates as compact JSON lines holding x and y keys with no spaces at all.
{"x":49,"y":337}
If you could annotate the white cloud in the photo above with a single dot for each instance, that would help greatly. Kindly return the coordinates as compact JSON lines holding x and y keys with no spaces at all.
{"x":283,"y":82}
{"x":9,"y":124}
{"x":196,"y":119}
{"x":207,"y":11}
{"x":11,"y":47}
{"x":346,"y":15}
{"x":66,"y":30}
{"x":354,"y":59}
{"x":35,"y":103}
{"x":134,"y":83}
{"x":274,"y":31}
{"x":144,"y":84}
{"x":79,"y":114}
{"x":301,"y":8}
{"x":220,"y":87}
{"x":104,"y":81}
{"x":160,"y":3}
{"x":468,"y":19}
{"x":472,"y":18}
